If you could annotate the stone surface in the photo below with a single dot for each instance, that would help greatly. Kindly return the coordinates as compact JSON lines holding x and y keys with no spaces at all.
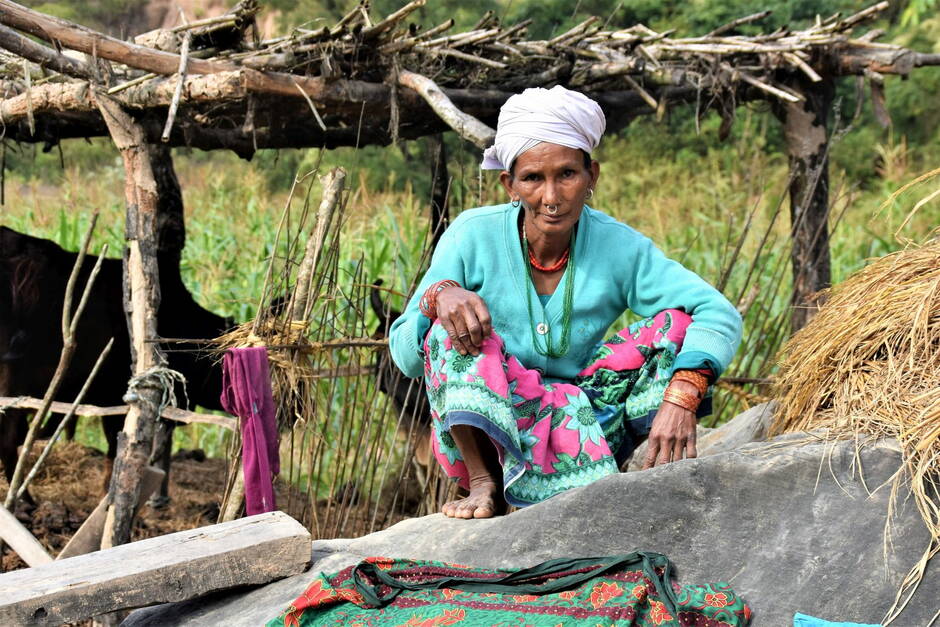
{"x":787,"y":522}
{"x":749,"y":426}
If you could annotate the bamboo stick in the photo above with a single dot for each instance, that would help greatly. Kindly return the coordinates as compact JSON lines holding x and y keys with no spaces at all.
{"x":393,"y":19}
{"x":447,"y":52}
{"x":64,"y":422}
{"x":180,"y":79}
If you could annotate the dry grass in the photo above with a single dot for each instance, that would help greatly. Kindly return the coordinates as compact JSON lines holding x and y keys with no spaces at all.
{"x":869,"y":364}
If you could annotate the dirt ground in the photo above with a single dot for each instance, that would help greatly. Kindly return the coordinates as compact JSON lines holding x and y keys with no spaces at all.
{"x":70,"y":485}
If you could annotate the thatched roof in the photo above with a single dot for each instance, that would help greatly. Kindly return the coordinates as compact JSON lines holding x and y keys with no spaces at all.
{"x":369,"y":81}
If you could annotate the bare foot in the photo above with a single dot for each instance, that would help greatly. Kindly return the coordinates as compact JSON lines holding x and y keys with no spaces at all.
{"x":484,"y":501}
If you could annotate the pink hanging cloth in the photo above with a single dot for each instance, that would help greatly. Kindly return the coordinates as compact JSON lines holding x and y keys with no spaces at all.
{"x":246,"y":392}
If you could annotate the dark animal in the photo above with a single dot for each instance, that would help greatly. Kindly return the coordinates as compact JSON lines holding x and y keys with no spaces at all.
{"x":408,"y":395}
{"x":33,"y":276}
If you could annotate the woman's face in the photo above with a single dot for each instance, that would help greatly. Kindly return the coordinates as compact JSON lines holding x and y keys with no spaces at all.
{"x":550,"y":175}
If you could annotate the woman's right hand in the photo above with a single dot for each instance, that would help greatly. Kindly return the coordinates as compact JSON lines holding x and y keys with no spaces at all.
{"x":465,"y":317}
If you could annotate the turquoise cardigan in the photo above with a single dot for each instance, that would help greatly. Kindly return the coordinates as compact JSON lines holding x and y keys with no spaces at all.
{"x":617,"y":268}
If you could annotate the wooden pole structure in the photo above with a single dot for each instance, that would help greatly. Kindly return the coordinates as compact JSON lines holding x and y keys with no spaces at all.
{"x":440,"y":189}
{"x":141,"y":302}
{"x":806,"y":130}
{"x":171,"y":238}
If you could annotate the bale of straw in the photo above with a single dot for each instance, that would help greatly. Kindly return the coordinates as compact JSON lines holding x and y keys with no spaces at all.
{"x":868,"y":364}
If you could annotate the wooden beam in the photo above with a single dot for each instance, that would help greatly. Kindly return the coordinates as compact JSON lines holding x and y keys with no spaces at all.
{"x":235,"y":86}
{"x":61,"y":32}
{"x":174,"y":567}
{"x":45,"y":56}
{"x":67,"y":111}
{"x":170,"y":413}
{"x":21,"y":540}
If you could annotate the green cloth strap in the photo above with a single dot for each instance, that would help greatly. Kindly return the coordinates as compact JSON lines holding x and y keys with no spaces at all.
{"x":516,"y":582}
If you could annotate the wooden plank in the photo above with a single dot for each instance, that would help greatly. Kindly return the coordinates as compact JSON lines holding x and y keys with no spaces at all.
{"x":170,"y":413}
{"x":175,"y":567}
{"x":21,"y":540}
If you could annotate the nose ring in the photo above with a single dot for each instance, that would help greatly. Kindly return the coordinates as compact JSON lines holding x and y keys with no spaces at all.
{"x":552,"y":209}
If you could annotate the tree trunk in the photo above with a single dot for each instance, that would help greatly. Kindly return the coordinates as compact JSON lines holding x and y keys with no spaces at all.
{"x":141,"y":302}
{"x":806,"y":129}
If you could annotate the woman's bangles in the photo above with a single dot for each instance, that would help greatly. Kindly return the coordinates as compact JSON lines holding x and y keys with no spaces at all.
{"x":682,"y":398}
{"x":428,"y":303}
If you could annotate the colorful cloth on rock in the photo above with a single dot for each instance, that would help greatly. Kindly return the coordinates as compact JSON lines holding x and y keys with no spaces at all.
{"x":552,"y":436}
{"x":626,"y":590}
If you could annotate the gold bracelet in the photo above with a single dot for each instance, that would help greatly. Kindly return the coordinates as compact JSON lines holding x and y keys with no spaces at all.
{"x":681,"y":398}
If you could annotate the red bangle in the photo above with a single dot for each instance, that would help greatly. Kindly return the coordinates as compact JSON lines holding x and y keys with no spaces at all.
{"x":695,"y":378}
{"x":681,"y":398}
{"x":428,"y":303}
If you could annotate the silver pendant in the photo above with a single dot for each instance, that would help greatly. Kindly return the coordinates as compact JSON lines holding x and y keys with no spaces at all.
{"x":541,"y":328}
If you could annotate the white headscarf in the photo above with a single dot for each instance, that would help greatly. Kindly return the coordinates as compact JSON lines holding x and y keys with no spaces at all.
{"x":557,"y":115}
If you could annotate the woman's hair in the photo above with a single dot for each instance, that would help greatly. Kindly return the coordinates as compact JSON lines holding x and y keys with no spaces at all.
{"x":585,"y":156}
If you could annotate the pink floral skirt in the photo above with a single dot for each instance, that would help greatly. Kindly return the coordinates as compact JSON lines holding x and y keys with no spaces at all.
{"x":552,"y":436}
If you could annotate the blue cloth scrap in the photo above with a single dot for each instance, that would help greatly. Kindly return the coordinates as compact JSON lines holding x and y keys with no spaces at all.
{"x":802,"y":620}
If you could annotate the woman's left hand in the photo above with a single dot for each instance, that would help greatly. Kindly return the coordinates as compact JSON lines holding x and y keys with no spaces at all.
{"x":672,"y":435}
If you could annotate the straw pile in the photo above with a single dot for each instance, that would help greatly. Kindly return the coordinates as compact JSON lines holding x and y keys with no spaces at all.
{"x":869,"y":365}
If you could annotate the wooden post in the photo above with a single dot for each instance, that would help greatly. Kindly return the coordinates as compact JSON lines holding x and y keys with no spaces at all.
{"x":171,"y":226}
{"x":440,"y":189}
{"x":171,"y":238}
{"x":141,"y":302}
{"x":806,"y":130}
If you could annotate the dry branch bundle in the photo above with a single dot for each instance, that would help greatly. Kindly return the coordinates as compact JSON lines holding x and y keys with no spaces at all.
{"x":362,"y":54}
{"x":868,"y":364}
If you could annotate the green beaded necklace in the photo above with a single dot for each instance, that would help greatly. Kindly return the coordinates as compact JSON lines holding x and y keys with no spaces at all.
{"x":549,"y":350}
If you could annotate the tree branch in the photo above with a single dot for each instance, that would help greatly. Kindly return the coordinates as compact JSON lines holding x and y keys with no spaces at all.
{"x":466,"y":126}
{"x":62,"y":32}
{"x":43,"y":55}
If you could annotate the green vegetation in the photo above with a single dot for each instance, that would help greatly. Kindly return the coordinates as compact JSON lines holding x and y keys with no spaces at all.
{"x":693,"y":195}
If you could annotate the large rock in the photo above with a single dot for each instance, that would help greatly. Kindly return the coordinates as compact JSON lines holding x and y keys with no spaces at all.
{"x":787,"y":522}
{"x":748,"y":426}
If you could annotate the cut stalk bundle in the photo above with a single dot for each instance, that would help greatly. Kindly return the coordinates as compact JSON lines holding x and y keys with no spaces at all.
{"x":868,"y":364}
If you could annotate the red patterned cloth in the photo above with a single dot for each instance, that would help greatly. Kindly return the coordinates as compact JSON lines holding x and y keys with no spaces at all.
{"x":627,"y":590}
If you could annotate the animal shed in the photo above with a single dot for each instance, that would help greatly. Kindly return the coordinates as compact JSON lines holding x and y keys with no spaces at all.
{"x":213,"y":84}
